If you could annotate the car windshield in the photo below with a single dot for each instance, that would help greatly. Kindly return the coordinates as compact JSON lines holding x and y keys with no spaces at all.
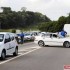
{"x":1,"y":37}
{"x":27,"y":34}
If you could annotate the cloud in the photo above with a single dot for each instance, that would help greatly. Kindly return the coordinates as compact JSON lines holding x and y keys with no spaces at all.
{"x":1,"y":2}
{"x":33,"y":1}
{"x":52,"y":8}
{"x":58,"y":8}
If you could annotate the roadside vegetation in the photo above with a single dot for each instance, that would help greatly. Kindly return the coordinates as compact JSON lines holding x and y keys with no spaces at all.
{"x":21,"y":20}
{"x":55,"y":26}
{"x":29,"y":20}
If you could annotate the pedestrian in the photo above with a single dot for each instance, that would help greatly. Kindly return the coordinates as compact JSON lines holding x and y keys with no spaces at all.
{"x":22,"y":38}
{"x":63,"y":33}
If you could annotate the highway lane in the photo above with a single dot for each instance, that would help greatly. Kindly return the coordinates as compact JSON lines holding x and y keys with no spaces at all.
{"x":22,"y":49}
{"x":45,"y":58}
{"x":27,"y":45}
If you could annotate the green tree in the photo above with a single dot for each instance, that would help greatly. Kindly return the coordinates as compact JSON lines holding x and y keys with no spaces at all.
{"x":48,"y":26}
{"x":61,"y":21}
{"x":68,"y":19}
{"x":20,"y":19}
{"x":6,"y":9}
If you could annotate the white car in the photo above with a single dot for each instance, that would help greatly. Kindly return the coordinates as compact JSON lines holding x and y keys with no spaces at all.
{"x":8,"y":44}
{"x":28,"y":37}
{"x":52,"y":39}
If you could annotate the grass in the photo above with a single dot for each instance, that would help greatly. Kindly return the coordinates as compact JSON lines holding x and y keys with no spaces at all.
{"x":22,"y":30}
{"x":5,"y":30}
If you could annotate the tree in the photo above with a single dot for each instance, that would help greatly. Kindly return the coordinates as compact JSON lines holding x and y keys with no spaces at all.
{"x":53,"y":26}
{"x":23,"y":9}
{"x":6,"y":9}
{"x":20,"y":19}
{"x":68,"y":19}
{"x":61,"y":21}
{"x":48,"y":26}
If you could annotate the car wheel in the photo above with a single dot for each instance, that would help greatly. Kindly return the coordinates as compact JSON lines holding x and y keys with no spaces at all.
{"x":16,"y":52}
{"x":41,"y":43}
{"x":66,"y":44}
{"x":3,"y":55}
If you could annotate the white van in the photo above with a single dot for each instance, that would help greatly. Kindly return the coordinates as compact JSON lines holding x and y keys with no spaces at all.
{"x":67,"y":28}
{"x":8,"y":44}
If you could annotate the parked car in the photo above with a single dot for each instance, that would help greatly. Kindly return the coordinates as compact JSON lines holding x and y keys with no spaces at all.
{"x":52,"y":39}
{"x":8,"y":44}
{"x":28,"y":36}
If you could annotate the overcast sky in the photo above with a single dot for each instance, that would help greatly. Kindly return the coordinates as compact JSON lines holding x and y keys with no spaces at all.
{"x":51,"y":8}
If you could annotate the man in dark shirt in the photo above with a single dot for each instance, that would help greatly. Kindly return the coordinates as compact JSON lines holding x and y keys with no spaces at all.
{"x":22,"y":38}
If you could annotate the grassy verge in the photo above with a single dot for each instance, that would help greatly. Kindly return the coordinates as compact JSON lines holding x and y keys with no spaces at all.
{"x":22,"y":30}
{"x":5,"y":30}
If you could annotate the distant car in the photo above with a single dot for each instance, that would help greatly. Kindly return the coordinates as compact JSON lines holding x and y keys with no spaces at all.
{"x":8,"y":44}
{"x":28,"y":36}
{"x":52,"y":39}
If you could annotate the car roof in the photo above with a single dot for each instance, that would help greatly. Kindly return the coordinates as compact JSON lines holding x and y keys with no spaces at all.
{"x":4,"y":32}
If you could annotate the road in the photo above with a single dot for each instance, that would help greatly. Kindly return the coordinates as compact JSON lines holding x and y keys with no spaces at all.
{"x":34,"y":57}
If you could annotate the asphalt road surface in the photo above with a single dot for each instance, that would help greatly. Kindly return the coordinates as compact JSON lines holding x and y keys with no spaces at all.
{"x":33,"y":57}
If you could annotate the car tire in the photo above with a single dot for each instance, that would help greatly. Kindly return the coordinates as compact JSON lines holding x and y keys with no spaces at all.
{"x":41,"y":43}
{"x":16,"y":52}
{"x":3,"y":55}
{"x":66,"y":44}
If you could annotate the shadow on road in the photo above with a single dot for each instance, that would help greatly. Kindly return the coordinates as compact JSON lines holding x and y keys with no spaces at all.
{"x":56,"y":46}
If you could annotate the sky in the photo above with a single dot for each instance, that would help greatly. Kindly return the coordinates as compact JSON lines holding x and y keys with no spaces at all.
{"x":51,"y":8}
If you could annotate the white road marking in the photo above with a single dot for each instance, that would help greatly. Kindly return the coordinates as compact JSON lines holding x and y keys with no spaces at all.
{"x":19,"y":53}
{"x":28,"y":48}
{"x":19,"y":56}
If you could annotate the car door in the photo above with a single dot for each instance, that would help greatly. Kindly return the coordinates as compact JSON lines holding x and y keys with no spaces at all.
{"x":48,"y":40}
{"x":53,"y":40}
{"x":12,"y":43}
{"x":56,"y":40}
{"x":7,"y":44}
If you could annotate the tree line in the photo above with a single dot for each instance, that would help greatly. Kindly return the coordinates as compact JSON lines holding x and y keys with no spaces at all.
{"x":27,"y":19}
{"x":22,"y":19}
{"x":55,"y":26}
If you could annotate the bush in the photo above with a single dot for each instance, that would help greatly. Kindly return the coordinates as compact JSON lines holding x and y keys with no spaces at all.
{"x":13,"y":31}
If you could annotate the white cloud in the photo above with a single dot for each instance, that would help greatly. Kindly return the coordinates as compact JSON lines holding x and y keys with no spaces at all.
{"x":33,"y":0}
{"x":59,"y":8}
{"x":52,"y":8}
{"x":1,"y":2}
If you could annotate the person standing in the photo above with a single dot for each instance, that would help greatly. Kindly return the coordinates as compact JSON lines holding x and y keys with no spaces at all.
{"x":22,"y":38}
